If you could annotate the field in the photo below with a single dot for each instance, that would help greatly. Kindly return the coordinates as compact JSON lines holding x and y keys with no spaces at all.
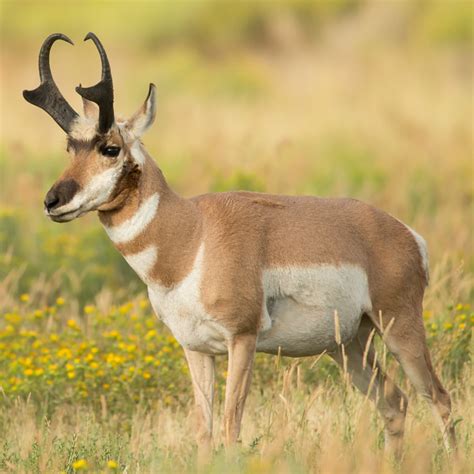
{"x":371,"y":100}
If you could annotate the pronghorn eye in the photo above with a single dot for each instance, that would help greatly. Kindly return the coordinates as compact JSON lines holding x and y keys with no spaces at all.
{"x":110,"y":151}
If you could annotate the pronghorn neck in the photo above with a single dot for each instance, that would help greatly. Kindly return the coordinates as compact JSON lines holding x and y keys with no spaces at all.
{"x":156,"y":230}
{"x":129,"y":200}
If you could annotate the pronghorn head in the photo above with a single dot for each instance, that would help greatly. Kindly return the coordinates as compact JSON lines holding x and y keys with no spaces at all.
{"x":106,"y":156}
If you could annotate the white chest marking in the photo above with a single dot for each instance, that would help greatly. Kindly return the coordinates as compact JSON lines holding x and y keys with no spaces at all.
{"x":301,"y":306}
{"x":134,"y":226}
{"x":182,"y":311}
{"x":143,"y":262}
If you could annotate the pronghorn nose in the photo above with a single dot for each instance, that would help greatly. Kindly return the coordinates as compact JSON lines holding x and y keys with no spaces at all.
{"x":52,"y":200}
{"x":60,"y":194}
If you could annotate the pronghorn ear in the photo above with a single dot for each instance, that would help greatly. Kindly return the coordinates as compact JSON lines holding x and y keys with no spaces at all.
{"x":91,"y":111}
{"x":144,"y":117}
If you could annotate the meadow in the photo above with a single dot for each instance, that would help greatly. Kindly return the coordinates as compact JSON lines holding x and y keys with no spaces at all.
{"x":346,"y":98}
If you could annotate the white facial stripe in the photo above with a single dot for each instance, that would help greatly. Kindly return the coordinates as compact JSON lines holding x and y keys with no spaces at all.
{"x":97,"y":191}
{"x":143,"y":262}
{"x":134,"y":226}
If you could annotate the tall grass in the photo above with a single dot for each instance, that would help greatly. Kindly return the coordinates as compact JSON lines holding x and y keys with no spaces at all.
{"x":364,"y":99}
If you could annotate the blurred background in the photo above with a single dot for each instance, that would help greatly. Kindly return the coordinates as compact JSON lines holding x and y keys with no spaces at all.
{"x":368,"y":99}
{"x":371,"y":100}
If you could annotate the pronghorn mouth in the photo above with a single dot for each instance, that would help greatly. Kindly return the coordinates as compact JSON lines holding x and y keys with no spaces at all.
{"x":65,"y":216}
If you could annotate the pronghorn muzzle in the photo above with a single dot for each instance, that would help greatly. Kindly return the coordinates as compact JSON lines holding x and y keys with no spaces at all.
{"x":60,"y":194}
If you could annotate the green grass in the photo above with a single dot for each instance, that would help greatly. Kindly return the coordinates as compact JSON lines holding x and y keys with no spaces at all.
{"x":338,"y":98}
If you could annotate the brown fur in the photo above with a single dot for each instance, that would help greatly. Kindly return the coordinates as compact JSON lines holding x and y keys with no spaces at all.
{"x":245,"y":233}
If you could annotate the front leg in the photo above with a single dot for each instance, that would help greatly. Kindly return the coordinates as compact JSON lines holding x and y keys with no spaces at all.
{"x":239,"y":374}
{"x":202,"y":371}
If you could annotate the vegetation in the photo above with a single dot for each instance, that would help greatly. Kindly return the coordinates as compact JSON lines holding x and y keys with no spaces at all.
{"x":369,"y":100}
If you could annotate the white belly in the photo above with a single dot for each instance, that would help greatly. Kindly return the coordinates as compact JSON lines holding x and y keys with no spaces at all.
{"x":299,"y":310}
{"x":303,"y":305}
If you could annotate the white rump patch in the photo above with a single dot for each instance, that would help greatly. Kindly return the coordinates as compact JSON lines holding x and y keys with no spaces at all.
{"x":134,"y":226}
{"x":303,"y":303}
{"x":143,"y":262}
{"x":423,"y":248}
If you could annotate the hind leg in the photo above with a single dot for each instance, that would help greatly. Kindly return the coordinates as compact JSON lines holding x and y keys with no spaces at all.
{"x":367,"y":375}
{"x":406,"y":339}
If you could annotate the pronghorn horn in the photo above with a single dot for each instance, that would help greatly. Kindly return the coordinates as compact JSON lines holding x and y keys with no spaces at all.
{"x":47,"y":95}
{"x":103,"y":92}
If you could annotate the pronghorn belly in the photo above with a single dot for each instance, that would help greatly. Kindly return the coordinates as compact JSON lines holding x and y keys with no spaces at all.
{"x":301,"y":307}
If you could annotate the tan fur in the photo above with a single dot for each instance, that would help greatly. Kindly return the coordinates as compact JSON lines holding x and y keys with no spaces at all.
{"x":243,"y":234}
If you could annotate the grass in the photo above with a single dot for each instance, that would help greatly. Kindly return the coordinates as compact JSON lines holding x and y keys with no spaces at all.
{"x":347,"y":98}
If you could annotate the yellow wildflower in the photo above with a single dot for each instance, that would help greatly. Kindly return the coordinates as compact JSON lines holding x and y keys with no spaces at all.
{"x":79,"y":464}
{"x":71,"y":375}
{"x":448,"y":326}
{"x":72,"y":323}
{"x":459,"y":307}
{"x":89,"y":309}
{"x":146,"y":375}
{"x":125,"y":308}
{"x":39,"y":372}
{"x":60,"y":301}
{"x":427,"y":314}
{"x":434,"y":326}
{"x":24,"y":298}
{"x":112,"y":464}
{"x":28,"y":372}
{"x":462,"y":326}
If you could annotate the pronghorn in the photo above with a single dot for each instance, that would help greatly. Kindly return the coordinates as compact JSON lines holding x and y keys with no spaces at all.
{"x":239,"y":272}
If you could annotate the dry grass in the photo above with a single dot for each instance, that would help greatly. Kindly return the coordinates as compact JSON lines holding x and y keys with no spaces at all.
{"x":371,"y":109}
{"x":289,"y":428}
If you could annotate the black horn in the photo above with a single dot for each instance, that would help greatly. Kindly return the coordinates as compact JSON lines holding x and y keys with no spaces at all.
{"x":47,"y":95}
{"x":103,"y":92}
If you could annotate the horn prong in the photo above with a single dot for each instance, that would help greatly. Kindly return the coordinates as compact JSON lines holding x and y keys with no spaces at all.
{"x":102,"y":93}
{"x":47,"y":95}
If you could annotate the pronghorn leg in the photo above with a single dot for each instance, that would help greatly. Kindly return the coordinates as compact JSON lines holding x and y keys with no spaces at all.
{"x":408,"y":343}
{"x":367,"y":375}
{"x":202,"y":371}
{"x":239,"y":374}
